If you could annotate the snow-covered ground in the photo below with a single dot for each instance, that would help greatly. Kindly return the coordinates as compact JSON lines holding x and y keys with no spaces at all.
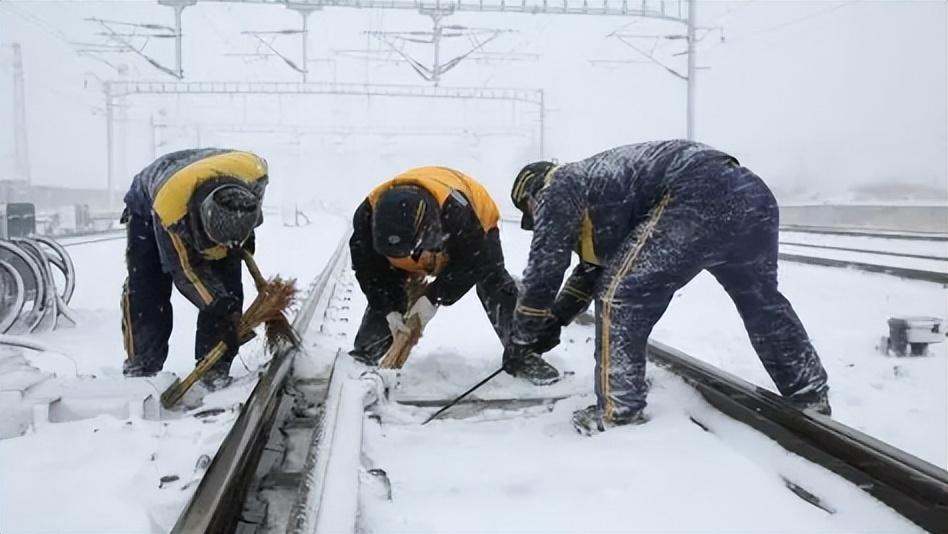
{"x":902,"y":401}
{"x":527,"y":471}
{"x":104,"y":474}
{"x":516,"y":471}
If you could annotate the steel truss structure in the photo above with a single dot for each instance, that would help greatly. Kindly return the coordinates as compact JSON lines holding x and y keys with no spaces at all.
{"x":120,"y":89}
{"x":678,"y":11}
{"x":673,"y":10}
{"x":528,"y":96}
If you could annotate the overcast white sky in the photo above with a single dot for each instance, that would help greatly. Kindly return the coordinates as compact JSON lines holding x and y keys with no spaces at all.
{"x":818,"y":97}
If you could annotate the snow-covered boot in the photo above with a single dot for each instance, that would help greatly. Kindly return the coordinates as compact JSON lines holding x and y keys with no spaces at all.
{"x":533,"y":369}
{"x":217,"y":377}
{"x":365,"y":357}
{"x":816,"y":401}
{"x":132,"y":369}
{"x":590,"y":420}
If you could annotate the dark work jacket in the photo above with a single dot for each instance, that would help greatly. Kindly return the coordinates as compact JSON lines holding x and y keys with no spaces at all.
{"x":469,"y":258}
{"x":169,"y":191}
{"x":591,"y":207}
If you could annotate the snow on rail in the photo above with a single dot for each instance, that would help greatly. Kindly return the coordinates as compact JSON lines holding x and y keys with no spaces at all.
{"x":516,"y":465}
{"x":217,"y":503}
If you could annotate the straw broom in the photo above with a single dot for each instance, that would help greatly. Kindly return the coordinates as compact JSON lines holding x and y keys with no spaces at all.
{"x":273,"y":298}
{"x":401,"y":346}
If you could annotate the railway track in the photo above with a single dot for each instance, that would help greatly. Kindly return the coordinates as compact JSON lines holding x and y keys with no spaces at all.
{"x":93,"y":238}
{"x":866,"y":251}
{"x":901,"y":272}
{"x":882,"y":263}
{"x":853,"y":232}
{"x":258,"y":465}
{"x":292,"y":462}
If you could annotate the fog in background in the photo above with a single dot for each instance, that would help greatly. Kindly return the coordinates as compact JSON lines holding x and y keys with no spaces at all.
{"x":827,"y":101}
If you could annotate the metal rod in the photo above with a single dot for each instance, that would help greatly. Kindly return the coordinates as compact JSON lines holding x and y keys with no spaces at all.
{"x":305,"y":44}
{"x":109,"y":172}
{"x":178,"y":38}
{"x":691,"y":79}
{"x":462,"y":395}
{"x":21,"y":169}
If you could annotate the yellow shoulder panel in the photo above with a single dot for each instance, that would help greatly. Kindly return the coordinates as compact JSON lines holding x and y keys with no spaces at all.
{"x":171,"y":201}
{"x":587,"y":248}
{"x":440,"y":182}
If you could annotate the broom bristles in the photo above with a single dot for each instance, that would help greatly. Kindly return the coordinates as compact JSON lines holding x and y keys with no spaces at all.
{"x":273,"y":299}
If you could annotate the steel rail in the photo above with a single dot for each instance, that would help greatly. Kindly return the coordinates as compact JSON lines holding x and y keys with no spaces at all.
{"x":901,"y":272}
{"x":866,"y":251}
{"x":920,"y":236}
{"x":110,"y":237}
{"x":912,"y":487}
{"x":219,"y":498}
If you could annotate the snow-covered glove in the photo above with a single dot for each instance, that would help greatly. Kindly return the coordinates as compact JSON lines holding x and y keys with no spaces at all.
{"x":396,"y":323}
{"x":423,"y":309}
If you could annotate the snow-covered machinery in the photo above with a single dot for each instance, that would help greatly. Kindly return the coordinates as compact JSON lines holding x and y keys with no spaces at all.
{"x":37,"y":279}
{"x":17,"y":219}
{"x":911,"y":336}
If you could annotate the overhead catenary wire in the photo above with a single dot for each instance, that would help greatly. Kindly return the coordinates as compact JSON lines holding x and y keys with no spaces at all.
{"x":767,"y":30}
{"x":35,"y":21}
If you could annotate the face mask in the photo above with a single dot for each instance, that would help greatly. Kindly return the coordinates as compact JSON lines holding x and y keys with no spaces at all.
{"x":527,"y":222}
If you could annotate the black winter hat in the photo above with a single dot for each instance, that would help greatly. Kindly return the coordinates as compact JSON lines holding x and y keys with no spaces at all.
{"x":406,"y":220}
{"x":529,"y":182}
{"x":229,"y":213}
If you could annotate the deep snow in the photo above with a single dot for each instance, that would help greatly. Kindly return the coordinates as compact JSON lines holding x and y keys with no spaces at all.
{"x":526,"y":466}
{"x":103,"y":475}
{"x":527,"y":471}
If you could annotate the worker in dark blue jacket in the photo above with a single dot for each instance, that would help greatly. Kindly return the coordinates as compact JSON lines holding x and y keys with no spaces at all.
{"x":189,"y":215}
{"x":645,"y":219}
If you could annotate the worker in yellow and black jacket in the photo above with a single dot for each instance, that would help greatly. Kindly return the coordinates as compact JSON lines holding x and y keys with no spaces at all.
{"x":189,"y":215}
{"x":437,"y":222}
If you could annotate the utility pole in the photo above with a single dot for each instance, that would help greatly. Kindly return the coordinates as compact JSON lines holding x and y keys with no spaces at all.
{"x":109,"y":105}
{"x":21,"y":169}
{"x":542,"y":124}
{"x":178,"y":66}
{"x":691,"y":78}
{"x":153,"y":136}
{"x":178,"y":7}
{"x":436,"y":34}
{"x":304,"y":10}
{"x":305,"y":45}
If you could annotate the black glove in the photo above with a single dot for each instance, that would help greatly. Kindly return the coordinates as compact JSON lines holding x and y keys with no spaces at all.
{"x":548,"y":337}
{"x":226,"y":316}
{"x":516,"y":353}
{"x":230,"y":331}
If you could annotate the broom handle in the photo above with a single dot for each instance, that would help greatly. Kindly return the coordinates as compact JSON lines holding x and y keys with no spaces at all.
{"x":258,"y":278}
{"x":173,"y":394}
